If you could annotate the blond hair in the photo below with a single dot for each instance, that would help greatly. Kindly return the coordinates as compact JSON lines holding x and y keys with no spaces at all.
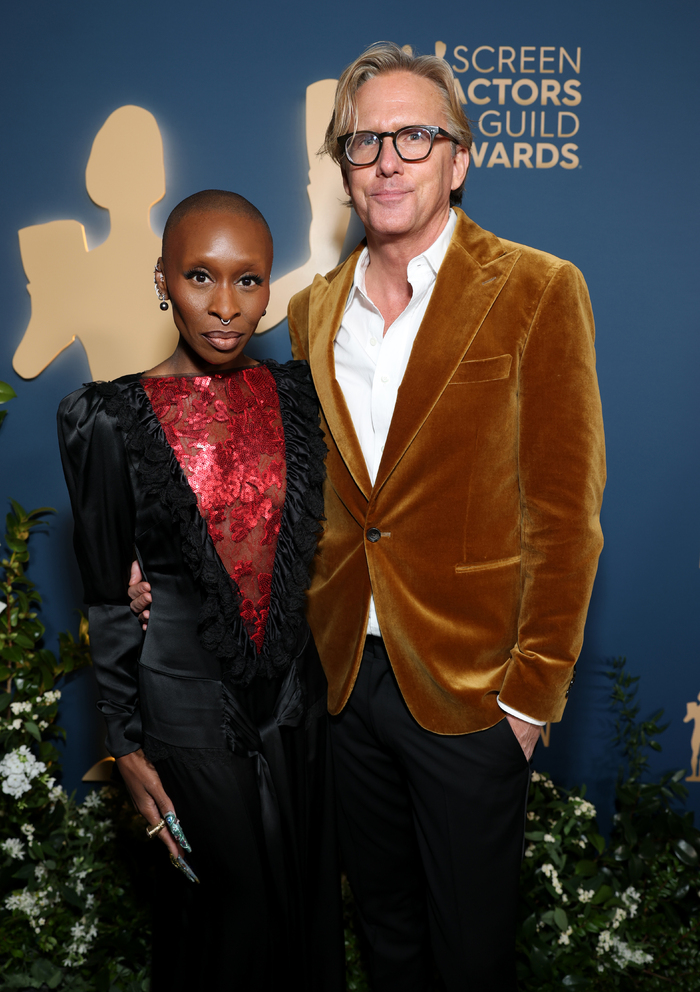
{"x":385,"y":57}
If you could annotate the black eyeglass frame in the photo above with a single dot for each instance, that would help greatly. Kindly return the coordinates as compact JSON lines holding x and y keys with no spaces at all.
{"x":432,"y":129}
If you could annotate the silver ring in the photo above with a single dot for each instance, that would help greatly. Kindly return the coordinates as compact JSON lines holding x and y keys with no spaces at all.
{"x":225,"y":322}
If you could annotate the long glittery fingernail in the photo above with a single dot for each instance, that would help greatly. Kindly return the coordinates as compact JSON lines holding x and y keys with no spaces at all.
{"x":176,"y":831}
{"x":182,"y":866}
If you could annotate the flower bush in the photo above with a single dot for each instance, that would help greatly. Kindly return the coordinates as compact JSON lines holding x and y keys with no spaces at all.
{"x":70,"y":915}
{"x":623,"y":915}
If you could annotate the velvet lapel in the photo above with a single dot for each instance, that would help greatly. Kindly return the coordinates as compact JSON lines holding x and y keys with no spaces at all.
{"x":326,"y":307}
{"x":472,"y":275}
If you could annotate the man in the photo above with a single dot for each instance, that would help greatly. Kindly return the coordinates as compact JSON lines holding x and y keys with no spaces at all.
{"x":456,"y":374}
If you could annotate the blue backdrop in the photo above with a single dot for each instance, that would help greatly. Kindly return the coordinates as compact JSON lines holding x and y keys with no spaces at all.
{"x":226,"y":83}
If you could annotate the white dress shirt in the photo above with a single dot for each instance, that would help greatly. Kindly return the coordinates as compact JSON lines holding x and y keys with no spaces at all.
{"x":370,"y":365}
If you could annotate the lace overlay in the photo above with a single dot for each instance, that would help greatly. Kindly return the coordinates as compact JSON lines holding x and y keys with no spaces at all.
{"x":227,"y":434}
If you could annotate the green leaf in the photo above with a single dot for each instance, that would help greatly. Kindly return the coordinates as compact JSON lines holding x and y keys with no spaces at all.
{"x":26,"y":871}
{"x":5,"y":699}
{"x":539,"y":962}
{"x":46,"y":972}
{"x":32,"y":729}
{"x":686,"y":853}
{"x":560,"y":918}
{"x":22,"y":641}
{"x":602,"y":895}
{"x":40,"y":510}
{"x":71,"y":896}
{"x":636,"y":868}
{"x":575,"y":982}
{"x":681,"y":891}
{"x":597,"y":842}
{"x":585,"y":868}
{"x":6,"y":392}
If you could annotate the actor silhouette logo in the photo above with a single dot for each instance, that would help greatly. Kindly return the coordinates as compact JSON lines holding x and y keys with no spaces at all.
{"x":692,"y":715}
{"x":126,"y":175}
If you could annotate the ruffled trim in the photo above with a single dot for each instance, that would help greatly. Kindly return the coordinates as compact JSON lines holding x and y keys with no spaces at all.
{"x":219,"y":628}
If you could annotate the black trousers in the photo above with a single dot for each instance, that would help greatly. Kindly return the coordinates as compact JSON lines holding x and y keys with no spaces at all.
{"x":431,"y":831}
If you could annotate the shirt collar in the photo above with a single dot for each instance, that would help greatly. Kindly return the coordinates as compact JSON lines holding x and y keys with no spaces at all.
{"x":434,"y":256}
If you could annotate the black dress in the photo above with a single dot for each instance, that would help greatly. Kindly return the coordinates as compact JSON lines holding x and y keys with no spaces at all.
{"x":214,"y":483}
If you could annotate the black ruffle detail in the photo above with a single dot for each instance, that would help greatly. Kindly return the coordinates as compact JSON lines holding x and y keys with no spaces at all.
{"x":219,"y":627}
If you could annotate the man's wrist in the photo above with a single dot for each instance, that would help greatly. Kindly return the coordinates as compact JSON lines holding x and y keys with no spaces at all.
{"x":521,"y":716}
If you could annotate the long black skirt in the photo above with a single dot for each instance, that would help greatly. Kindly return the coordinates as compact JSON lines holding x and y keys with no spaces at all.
{"x":266,"y":914}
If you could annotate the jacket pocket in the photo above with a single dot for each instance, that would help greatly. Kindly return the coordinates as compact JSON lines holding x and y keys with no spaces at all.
{"x":482,"y":370}
{"x":482,"y":566}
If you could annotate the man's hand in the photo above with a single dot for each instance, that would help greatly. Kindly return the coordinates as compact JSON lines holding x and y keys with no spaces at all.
{"x":139,"y":594}
{"x":527,"y":733}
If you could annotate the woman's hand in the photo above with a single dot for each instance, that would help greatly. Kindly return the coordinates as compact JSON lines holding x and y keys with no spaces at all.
{"x":148,"y":794}
{"x":139,"y":594}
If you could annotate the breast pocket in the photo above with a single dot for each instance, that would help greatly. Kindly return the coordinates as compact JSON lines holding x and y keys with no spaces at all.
{"x":482,"y":370}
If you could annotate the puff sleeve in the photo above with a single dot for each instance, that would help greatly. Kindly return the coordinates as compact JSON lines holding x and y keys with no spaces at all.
{"x":97,"y":475}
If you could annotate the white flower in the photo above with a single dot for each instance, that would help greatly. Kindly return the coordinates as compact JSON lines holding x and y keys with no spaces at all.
{"x":17,"y":769}
{"x":585,"y":895}
{"x":582,"y":807}
{"x":631,"y":899}
{"x":14,"y":847}
{"x":565,"y":935}
{"x":93,"y":799}
{"x":43,"y":724}
{"x":18,"y":708}
{"x":16,"y":724}
{"x":49,"y":698}
{"x":83,"y":935}
{"x":531,"y":815}
{"x":619,"y":917}
{"x":620,"y":951}
{"x":550,"y":839}
{"x":39,"y":872}
{"x":552,"y":874}
{"x":536,"y":777}
{"x":582,"y":842}
{"x":530,"y":853}
{"x":28,"y":829}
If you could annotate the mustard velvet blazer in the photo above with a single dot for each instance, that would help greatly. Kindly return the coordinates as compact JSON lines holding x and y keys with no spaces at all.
{"x":481,"y":535}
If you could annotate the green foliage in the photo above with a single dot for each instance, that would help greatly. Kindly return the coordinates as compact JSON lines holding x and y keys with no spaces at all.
{"x":69,"y":915}
{"x":6,"y":393}
{"x":624,"y":915}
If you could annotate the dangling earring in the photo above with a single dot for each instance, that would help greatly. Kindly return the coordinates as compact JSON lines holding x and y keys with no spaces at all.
{"x":159,"y":292}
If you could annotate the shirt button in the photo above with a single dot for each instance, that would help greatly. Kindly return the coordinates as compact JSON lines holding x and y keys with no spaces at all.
{"x":385,"y":378}
{"x":373,"y":535}
{"x":373,"y":341}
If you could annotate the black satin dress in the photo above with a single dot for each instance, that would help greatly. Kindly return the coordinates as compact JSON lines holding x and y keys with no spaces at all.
{"x":224,"y":692}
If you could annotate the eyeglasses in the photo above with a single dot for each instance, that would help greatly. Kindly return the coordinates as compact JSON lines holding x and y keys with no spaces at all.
{"x":412,"y":144}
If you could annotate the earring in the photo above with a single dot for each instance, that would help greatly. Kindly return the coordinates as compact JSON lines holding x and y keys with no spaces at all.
{"x":159,"y":292}
{"x":264,"y":312}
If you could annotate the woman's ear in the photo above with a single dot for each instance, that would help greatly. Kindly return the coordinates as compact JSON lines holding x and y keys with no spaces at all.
{"x":159,"y":279}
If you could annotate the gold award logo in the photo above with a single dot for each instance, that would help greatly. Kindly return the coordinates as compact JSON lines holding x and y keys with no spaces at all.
{"x":71,"y":286}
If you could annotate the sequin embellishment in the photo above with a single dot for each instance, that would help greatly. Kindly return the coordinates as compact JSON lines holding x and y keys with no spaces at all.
{"x":226,"y":431}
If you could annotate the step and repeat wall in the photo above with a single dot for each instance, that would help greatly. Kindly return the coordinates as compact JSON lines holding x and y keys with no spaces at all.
{"x":585,"y":146}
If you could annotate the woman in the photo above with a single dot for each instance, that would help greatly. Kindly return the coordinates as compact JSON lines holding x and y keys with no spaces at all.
{"x":209,"y":468}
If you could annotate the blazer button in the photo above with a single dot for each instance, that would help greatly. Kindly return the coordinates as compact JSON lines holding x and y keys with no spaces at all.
{"x":373,"y":535}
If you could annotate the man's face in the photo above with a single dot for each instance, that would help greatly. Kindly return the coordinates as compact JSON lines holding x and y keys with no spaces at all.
{"x":394,"y":198}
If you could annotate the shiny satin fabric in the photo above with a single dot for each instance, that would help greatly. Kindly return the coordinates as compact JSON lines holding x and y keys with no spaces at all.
{"x":194,"y":691}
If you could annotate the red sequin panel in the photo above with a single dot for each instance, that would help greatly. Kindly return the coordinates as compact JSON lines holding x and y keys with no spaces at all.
{"x":226,"y":431}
